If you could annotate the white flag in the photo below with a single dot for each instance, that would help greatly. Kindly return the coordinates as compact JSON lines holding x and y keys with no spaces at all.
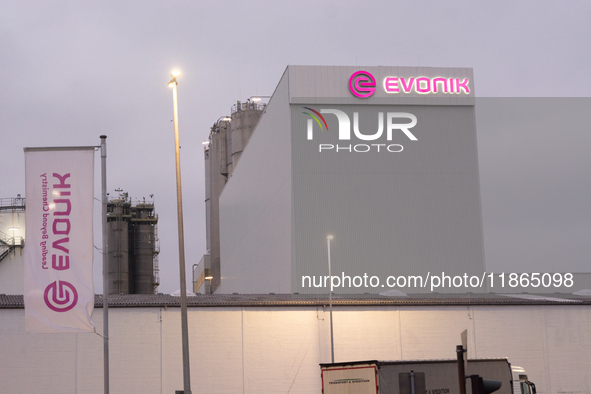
{"x":59,"y":293}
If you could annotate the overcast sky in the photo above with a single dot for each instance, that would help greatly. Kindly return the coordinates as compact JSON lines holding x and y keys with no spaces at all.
{"x":73,"y":70}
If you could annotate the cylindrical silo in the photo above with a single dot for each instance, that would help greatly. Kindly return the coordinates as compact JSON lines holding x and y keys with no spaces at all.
{"x":144,"y":240}
{"x":118,"y":261}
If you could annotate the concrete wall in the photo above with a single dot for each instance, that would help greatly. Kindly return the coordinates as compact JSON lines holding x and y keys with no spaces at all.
{"x":277,"y":350}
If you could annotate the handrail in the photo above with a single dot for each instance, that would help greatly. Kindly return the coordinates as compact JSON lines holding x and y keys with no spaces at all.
{"x":8,"y":240}
{"x":250,"y":105}
{"x":8,"y":244}
{"x":13,"y":203}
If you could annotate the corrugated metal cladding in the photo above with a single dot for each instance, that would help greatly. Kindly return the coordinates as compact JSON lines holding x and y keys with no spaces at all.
{"x":391,"y":213}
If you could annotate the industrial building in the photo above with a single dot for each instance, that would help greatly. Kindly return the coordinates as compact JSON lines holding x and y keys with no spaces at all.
{"x":279,"y":178}
{"x":227,"y":139}
{"x":400,"y":201}
{"x":133,"y":246}
{"x":133,"y":239}
{"x":394,"y":201}
{"x":275,"y":343}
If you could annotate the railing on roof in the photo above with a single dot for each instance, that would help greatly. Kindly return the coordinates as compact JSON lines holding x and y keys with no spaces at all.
{"x":249,"y":105}
{"x":12,"y":204}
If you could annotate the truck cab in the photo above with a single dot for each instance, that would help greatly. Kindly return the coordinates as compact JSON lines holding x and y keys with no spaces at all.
{"x":521,"y":384}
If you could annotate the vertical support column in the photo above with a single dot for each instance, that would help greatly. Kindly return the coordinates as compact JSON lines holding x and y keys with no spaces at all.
{"x":105,"y":259}
{"x":328,"y":239}
{"x":461,"y":371}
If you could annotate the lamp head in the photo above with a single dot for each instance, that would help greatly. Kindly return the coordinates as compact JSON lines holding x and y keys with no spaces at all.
{"x":330,"y":237}
{"x":174,"y":74}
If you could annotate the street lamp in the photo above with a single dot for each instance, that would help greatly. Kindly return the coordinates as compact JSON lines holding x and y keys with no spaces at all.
{"x":328,"y":239}
{"x":179,"y":200}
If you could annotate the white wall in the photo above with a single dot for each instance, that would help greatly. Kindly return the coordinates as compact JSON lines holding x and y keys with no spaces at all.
{"x":277,"y":350}
{"x":11,"y":267}
{"x":255,"y":207}
{"x":12,"y":273}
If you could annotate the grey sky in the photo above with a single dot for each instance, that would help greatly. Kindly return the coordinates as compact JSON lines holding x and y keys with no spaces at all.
{"x":73,"y":70}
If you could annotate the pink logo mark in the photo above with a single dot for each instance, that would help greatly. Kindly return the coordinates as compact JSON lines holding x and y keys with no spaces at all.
{"x":60,"y":296}
{"x":362,"y":84}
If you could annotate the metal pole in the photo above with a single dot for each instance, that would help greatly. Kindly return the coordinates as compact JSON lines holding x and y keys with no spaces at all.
{"x":330,"y":302}
{"x":105,"y":262}
{"x":184,"y":323}
{"x":461,"y":372}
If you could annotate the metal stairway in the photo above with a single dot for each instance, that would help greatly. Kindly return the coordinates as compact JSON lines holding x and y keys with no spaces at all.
{"x":8,"y":244}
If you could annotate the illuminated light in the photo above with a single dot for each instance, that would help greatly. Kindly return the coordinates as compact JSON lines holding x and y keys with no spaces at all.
{"x":51,"y":205}
{"x":407,"y":88}
{"x":205,"y":143}
{"x":426,"y":85}
{"x":172,"y":83}
{"x":362,"y":84}
{"x":391,"y":85}
{"x":208,"y":277}
{"x":175,"y":74}
{"x":13,"y":228}
{"x":330,"y":237}
{"x":256,"y":99}
{"x":462,"y":85}
{"x":420,"y":89}
{"x":439,"y":80}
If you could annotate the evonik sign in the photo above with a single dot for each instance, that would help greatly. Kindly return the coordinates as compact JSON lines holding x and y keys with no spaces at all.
{"x":362,"y":84}
{"x":393,"y":124}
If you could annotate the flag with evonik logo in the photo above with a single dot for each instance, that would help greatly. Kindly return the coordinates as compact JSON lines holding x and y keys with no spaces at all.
{"x":58,"y":288}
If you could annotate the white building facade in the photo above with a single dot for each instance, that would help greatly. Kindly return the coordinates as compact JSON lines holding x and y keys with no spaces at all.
{"x":382,"y":158}
{"x":273,"y":344}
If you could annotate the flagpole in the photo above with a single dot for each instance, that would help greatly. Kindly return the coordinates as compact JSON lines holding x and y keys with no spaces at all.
{"x":105,"y":270}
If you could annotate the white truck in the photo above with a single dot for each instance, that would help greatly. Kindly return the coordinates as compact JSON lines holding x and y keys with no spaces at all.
{"x":420,"y":377}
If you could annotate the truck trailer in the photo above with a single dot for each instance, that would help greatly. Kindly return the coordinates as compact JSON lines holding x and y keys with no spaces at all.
{"x":420,"y":377}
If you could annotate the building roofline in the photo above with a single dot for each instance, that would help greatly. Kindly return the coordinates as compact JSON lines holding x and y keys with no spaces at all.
{"x":289,"y":300}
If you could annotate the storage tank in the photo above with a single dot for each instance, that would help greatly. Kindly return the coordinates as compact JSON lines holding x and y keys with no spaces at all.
{"x":118,"y":264}
{"x":144,"y":250}
{"x":244,"y":120}
{"x":132,"y":247}
{"x":227,"y":140}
